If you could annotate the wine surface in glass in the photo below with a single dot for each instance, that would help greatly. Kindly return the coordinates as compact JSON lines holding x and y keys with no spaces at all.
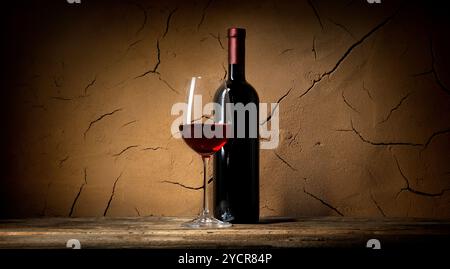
{"x":194,"y":135}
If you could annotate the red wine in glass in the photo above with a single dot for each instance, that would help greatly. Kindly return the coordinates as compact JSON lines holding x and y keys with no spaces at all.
{"x":194,"y":135}
{"x":205,"y":139}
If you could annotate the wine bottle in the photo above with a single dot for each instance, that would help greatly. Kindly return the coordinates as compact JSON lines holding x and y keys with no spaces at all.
{"x":236,"y":165}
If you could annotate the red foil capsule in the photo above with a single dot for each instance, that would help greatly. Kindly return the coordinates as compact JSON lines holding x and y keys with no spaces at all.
{"x":236,"y":46}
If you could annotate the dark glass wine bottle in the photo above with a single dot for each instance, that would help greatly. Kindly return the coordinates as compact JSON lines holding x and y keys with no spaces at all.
{"x":236,"y":165}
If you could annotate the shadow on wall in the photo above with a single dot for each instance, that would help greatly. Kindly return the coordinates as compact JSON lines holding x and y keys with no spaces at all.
{"x":363,"y":91}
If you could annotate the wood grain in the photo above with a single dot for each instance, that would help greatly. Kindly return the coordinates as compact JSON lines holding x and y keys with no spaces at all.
{"x":166,"y":232}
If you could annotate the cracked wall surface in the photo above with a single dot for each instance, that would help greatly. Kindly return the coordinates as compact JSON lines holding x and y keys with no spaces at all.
{"x":363,"y":91}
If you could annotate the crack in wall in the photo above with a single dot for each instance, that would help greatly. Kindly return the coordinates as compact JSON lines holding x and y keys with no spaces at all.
{"x":395,"y":108}
{"x":133,"y":44}
{"x":442,"y":132}
{"x":217,"y":37}
{"x":92,"y":123}
{"x":422,"y":73}
{"x":347,"y":103}
{"x":377,"y":205}
{"x":285,"y":162}
{"x":168,"y":85}
{"x":185,"y":186}
{"x":61,"y":98}
{"x":137,"y":211}
{"x":89,"y":85}
{"x":268,"y":208}
{"x":182,"y":185}
{"x":323,"y":202}
{"x":343,"y":130}
{"x":286,"y":51}
{"x":128,"y":123}
{"x":56,"y":81}
{"x":144,"y":20}
{"x":204,"y":14}
{"x":62,"y":161}
{"x":153,"y":148}
{"x":125,"y":150}
{"x":294,"y":138}
{"x":395,"y":143}
{"x":79,"y":193}
{"x":348,"y":52}
{"x":310,"y":3}
{"x":434,"y":71}
{"x":367,"y":91}
{"x":342,"y":27}
{"x":371,"y":176}
{"x":412,"y":190}
{"x":202,"y":117}
{"x":225,"y":71}
{"x":112,"y":195}
{"x":278,"y":103}
{"x":168,"y":22}
{"x":314,"y":48}
{"x":155,"y":68}
{"x":44,"y":108}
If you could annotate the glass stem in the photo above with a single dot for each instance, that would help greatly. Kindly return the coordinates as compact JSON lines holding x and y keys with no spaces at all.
{"x":205,"y":186}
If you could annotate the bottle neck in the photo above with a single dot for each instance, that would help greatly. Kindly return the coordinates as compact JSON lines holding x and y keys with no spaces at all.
{"x":236,"y":57}
{"x":236,"y":72}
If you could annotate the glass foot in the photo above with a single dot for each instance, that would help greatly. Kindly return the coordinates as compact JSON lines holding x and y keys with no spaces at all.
{"x":205,"y":220}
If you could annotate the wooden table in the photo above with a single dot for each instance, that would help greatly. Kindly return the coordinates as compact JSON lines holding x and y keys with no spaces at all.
{"x":165,"y":232}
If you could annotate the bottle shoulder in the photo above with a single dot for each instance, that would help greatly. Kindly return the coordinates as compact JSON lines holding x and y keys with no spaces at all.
{"x":237,"y":91}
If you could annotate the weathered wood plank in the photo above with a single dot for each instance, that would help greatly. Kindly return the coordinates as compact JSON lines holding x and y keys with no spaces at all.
{"x":166,"y":232}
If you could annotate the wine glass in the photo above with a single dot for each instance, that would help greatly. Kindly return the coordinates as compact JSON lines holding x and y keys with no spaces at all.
{"x":205,"y":134}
